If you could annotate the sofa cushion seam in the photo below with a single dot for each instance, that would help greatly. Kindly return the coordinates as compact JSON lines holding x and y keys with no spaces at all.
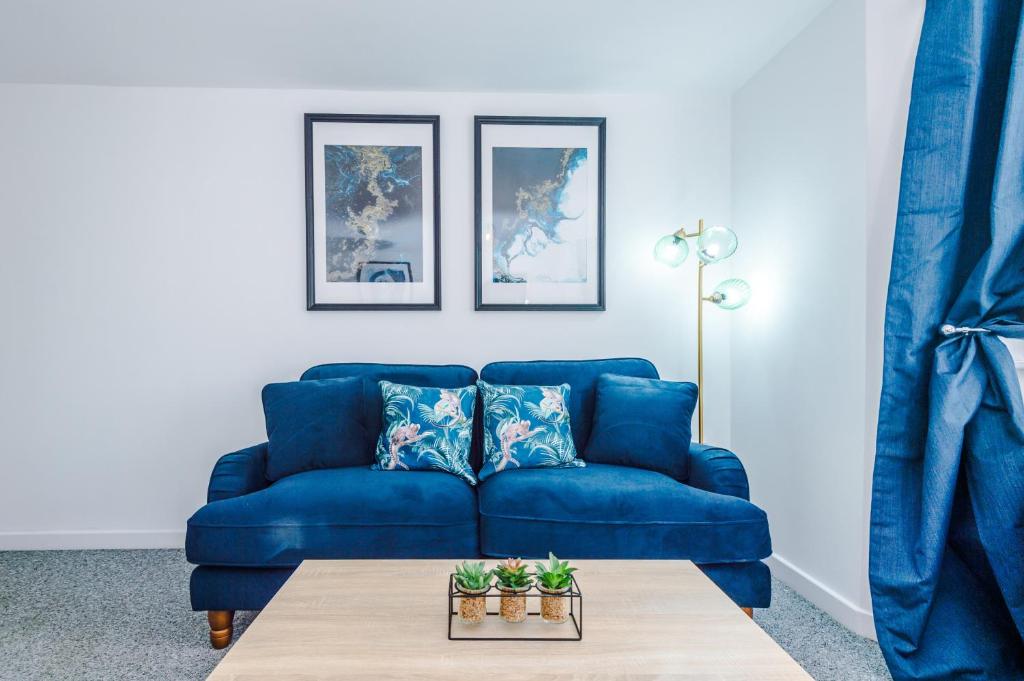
{"x":289,"y":526}
{"x":626,"y":522}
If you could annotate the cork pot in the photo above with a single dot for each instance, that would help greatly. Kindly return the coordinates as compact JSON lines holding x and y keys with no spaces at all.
{"x":472,"y":608}
{"x":513,"y":603}
{"x":554,"y":608}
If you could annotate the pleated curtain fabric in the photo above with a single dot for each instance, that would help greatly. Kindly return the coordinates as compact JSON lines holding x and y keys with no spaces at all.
{"x":947,"y":517}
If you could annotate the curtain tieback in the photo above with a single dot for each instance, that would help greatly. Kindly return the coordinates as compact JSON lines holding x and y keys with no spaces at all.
{"x":950,"y":330}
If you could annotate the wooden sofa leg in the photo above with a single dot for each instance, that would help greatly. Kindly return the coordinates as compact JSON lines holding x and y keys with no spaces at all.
{"x":220,"y":627}
{"x":749,"y":611}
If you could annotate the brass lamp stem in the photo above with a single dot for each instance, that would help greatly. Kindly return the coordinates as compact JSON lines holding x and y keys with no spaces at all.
{"x":700,"y":341}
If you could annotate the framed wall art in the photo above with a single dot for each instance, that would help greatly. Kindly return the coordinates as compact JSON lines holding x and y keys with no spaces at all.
{"x":372,"y":212}
{"x":540,"y":195}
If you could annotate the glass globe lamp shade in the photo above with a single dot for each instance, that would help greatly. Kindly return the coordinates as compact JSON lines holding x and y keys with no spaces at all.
{"x":731,"y":294}
{"x":671,"y":250}
{"x":716,"y":244}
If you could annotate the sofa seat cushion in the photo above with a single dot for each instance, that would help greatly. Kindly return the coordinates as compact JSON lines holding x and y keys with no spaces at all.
{"x":607,"y":511}
{"x":338,"y":513}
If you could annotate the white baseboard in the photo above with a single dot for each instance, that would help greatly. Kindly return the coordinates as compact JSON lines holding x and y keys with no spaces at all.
{"x":92,"y":539}
{"x":849,"y":614}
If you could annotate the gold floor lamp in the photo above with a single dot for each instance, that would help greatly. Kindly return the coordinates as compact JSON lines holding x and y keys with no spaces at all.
{"x":713,"y":245}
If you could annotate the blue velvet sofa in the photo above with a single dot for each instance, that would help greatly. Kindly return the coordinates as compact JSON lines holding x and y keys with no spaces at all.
{"x":252,"y":534}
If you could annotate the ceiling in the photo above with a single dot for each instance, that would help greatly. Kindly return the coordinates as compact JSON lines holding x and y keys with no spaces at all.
{"x":516,"y":45}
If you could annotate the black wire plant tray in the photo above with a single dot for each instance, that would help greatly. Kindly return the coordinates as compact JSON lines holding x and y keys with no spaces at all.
{"x":494,"y":628}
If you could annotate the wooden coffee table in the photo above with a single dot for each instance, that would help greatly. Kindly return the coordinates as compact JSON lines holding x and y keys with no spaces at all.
{"x":386,"y":619}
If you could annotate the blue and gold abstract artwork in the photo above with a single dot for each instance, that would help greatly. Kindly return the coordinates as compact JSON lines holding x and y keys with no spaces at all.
{"x":374,"y":205}
{"x":540,"y":201}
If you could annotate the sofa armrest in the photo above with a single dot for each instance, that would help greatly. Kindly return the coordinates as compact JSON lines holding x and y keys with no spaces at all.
{"x":715,"y":469}
{"x":238,"y":473}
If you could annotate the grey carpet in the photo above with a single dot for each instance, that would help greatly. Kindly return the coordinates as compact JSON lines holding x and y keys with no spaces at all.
{"x":125,"y":615}
{"x":822,"y":646}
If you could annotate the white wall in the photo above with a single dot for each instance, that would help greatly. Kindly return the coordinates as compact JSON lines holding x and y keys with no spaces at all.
{"x":153,"y":280}
{"x":798,"y":367}
{"x":817,"y":147}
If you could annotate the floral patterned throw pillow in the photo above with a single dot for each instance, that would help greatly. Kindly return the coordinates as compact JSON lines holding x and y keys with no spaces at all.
{"x":426,"y":429}
{"x":526,"y":426}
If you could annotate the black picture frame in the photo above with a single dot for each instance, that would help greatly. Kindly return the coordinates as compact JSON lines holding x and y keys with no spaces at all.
{"x":309,"y":120}
{"x":600,"y":124}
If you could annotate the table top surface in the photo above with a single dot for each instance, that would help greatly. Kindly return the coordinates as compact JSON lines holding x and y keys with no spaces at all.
{"x":387,"y":619}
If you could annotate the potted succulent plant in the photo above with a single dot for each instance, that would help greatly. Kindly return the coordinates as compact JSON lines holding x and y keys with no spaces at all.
{"x":513,"y":581}
{"x":472,"y":581}
{"x":555,"y":578}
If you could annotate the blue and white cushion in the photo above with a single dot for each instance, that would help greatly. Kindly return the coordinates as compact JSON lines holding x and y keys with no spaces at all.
{"x":426,"y":429}
{"x":526,"y":426}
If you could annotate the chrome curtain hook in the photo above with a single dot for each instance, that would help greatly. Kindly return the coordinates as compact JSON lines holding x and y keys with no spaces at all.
{"x":950,"y":330}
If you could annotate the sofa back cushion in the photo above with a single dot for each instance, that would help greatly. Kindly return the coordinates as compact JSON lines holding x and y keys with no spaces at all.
{"x":421,"y":375}
{"x":312,"y":425}
{"x":581,"y":375}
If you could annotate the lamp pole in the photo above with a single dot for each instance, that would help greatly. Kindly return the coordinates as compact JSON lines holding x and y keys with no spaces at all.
{"x":700,"y":341}
{"x":682,"y":234}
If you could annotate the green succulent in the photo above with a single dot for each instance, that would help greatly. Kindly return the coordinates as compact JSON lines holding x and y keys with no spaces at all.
{"x":472,"y":576}
{"x":556,"y":575}
{"x":512,"y":574}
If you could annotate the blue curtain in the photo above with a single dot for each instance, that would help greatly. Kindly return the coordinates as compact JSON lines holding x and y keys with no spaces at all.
{"x":947,"y":519}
